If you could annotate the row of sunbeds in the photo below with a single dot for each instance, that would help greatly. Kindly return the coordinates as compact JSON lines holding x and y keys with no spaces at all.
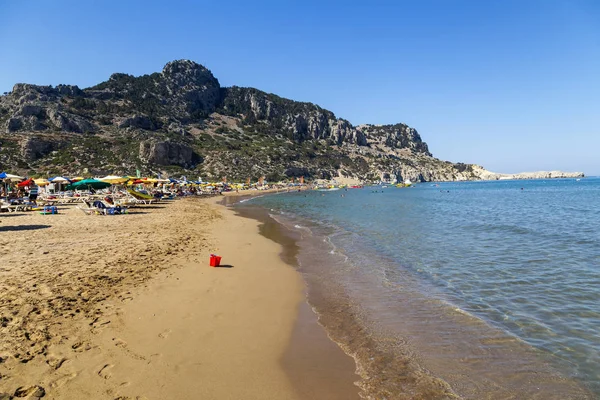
{"x":87,"y":202}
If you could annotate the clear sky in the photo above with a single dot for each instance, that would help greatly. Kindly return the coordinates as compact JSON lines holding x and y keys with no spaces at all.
{"x":511,"y":85}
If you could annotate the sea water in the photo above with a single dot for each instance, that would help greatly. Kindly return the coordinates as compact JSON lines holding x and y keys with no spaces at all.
{"x":467,"y":289}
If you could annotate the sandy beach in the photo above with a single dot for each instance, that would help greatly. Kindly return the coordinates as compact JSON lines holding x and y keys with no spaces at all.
{"x":126,"y":307}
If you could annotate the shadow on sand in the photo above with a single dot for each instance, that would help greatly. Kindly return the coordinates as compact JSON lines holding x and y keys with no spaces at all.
{"x":22,"y":228}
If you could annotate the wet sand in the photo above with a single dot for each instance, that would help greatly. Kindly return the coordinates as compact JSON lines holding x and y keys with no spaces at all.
{"x":126,"y":307}
{"x":317,"y":366}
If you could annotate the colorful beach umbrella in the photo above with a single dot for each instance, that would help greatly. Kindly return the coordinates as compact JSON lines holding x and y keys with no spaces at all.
{"x":59,"y":179}
{"x":10,"y":177}
{"x":28,"y":182}
{"x":41,"y":182}
{"x":88,"y":184}
{"x":114,"y":179}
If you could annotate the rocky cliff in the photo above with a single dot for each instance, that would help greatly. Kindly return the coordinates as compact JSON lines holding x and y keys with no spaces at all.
{"x":181,"y":121}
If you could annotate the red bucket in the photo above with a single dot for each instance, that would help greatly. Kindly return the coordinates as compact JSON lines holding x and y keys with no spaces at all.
{"x":215,"y":260}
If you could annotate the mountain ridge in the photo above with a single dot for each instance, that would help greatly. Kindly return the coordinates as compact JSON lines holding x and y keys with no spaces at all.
{"x":181,"y":121}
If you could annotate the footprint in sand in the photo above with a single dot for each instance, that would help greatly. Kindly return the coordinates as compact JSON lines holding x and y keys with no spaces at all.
{"x":123,"y":344}
{"x":99,"y":322}
{"x":62,"y":380}
{"x":30,"y":391}
{"x":55,"y":362}
{"x":164,"y":334}
{"x":105,"y":371}
{"x":80,"y":346}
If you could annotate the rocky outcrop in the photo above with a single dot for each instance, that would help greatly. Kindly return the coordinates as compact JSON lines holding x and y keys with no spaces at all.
{"x":69,"y":122}
{"x":13,"y":125}
{"x":301,"y":121}
{"x":27,"y":93}
{"x":69,"y":90}
{"x":33,"y":148}
{"x":167,"y":153}
{"x":184,"y":90}
{"x":296,"y":172}
{"x":27,"y":110}
{"x":139,"y":122}
{"x":398,"y":136}
{"x":39,"y":108}
{"x":191,"y":87}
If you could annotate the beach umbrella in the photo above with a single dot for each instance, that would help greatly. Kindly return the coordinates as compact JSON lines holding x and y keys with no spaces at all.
{"x":59,"y":179}
{"x":41,"y":182}
{"x":28,"y":182}
{"x":77,"y":179}
{"x":87,"y":184}
{"x":114,"y":179}
{"x":10,"y":177}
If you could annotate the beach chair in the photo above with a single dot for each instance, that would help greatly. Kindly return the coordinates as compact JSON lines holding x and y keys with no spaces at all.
{"x":87,"y":210}
{"x":108,"y":209}
{"x":141,"y":197}
{"x":7,"y":207}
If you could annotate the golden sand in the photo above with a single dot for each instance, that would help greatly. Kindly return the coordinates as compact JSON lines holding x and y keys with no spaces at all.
{"x":126,"y":306}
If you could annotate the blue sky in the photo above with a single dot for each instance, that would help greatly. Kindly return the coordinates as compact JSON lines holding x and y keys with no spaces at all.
{"x":511,"y":85}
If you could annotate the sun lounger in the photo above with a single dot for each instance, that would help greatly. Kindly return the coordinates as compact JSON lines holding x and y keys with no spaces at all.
{"x":8,"y":207}
{"x":14,"y":207}
{"x":141,"y":197}
{"x":100,"y":207}
{"x":87,"y":210}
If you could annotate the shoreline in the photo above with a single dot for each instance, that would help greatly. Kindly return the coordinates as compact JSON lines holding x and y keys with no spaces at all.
{"x":408,"y":353}
{"x":317,"y":366}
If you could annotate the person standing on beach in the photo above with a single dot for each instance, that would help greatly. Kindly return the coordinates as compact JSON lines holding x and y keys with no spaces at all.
{"x":33,"y":193}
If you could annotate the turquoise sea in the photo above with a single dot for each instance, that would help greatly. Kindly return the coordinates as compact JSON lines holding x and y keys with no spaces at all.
{"x":468,"y":289}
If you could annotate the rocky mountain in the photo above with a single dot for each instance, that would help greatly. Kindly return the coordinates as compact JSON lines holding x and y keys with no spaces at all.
{"x":182,"y":122}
